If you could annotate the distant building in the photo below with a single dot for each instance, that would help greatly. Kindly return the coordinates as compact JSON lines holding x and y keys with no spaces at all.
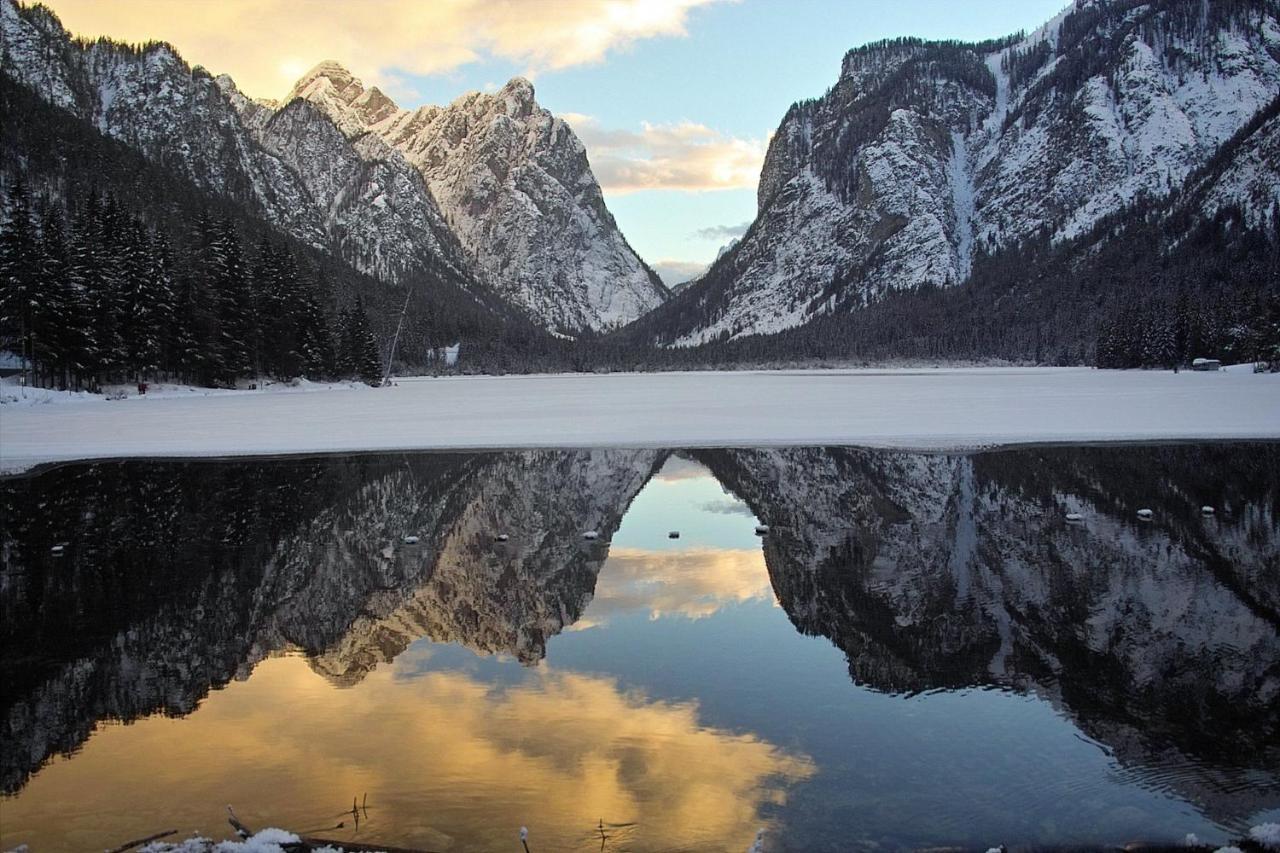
{"x":449,"y":355}
{"x":1206,"y":364}
{"x":11,"y":364}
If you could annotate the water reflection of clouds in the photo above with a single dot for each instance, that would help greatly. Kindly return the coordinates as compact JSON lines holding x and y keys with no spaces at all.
{"x":692,"y":583}
{"x":727,"y":507}
{"x":447,"y":760}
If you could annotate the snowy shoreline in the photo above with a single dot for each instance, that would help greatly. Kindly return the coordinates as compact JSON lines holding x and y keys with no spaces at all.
{"x":916,"y":409}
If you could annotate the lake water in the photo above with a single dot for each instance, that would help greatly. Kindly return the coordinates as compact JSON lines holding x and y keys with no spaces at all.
{"x":921,"y":650}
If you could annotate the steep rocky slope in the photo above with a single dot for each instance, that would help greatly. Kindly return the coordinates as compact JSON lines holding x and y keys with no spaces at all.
{"x":925,"y":156}
{"x":492,"y":192}
{"x":514,"y":184}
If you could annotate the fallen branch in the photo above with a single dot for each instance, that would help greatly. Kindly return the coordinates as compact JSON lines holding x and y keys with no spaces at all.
{"x":138,"y":842}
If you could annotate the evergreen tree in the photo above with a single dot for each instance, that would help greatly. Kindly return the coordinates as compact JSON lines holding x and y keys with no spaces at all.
{"x":359,"y":351}
{"x":315,"y":339}
{"x":19,"y":275}
{"x":237,"y":309}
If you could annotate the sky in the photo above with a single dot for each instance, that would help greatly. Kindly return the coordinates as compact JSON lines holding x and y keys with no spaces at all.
{"x":674,"y":99}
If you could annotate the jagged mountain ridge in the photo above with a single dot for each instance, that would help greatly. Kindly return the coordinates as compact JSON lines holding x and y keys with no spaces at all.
{"x":515,"y":185}
{"x":926,"y":155}
{"x":362,"y":203}
{"x":525,"y":217}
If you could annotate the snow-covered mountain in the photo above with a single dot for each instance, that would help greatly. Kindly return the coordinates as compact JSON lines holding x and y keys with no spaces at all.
{"x":925,"y":155}
{"x":492,"y":191}
{"x":355,"y":198}
{"x":515,"y":186}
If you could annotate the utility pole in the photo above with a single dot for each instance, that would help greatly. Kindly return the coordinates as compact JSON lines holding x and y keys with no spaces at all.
{"x":391,"y":357}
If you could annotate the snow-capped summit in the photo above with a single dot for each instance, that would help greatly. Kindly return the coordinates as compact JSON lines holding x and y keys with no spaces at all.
{"x":514,"y":184}
{"x":354,"y":107}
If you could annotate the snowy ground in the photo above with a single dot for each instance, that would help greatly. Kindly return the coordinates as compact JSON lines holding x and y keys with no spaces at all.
{"x":883,"y":408}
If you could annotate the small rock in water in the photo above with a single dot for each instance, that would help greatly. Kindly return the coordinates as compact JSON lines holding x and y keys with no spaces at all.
{"x":675,"y":534}
{"x":1145,"y":514}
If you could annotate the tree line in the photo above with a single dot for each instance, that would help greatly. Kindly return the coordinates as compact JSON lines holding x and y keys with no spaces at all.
{"x":91,"y":294}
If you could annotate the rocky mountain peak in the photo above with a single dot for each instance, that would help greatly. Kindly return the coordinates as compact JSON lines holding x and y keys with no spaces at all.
{"x":519,"y":97}
{"x":328,"y":75}
{"x":485,"y":157}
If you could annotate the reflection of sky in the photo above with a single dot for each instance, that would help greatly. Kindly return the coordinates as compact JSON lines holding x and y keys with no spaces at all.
{"x":681,"y":498}
{"x":683,"y":702}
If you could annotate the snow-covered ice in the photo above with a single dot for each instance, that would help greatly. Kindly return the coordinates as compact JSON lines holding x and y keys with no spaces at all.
{"x":925,"y":409}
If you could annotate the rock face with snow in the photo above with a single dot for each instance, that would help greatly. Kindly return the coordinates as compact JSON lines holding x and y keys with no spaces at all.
{"x":492,"y":192}
{"x":515,"y":186}
{"x":925,"y":154}
{"x":355,"y":198}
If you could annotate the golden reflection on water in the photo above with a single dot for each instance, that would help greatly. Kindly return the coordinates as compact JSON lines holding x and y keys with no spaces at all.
{"x":448,"y":762}
{"x":693,"y":582}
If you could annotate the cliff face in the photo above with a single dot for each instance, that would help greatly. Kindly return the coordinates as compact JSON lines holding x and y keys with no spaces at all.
{"x":924,"y":155}
{"x":515,"y":186}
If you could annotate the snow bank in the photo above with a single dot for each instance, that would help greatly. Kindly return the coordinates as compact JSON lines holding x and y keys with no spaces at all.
{"x":12,"y":393}
{"x":266,"y":841}
{"x":1267,"y":834}
{"x":916,"y":409}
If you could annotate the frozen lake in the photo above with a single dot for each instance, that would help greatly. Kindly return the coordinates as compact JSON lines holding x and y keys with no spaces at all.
{"x":921,"y":651}
{"x":886,"y":408}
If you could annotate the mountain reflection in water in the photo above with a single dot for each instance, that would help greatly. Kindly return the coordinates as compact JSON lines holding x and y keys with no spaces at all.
{"x":921,"y":651}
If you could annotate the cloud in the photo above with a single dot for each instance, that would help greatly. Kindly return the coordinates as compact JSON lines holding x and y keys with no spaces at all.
{"x":265,"y":45}
{"x":685,"y":156}
{"x":721,"y":233}
{"x":673,"y":272}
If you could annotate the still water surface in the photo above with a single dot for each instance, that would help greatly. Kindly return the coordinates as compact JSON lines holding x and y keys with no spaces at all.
{"x":922,"y":649}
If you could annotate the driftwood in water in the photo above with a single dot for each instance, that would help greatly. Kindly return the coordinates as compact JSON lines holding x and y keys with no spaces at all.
{"x":138,"y":842}
{"x":241,"y":830}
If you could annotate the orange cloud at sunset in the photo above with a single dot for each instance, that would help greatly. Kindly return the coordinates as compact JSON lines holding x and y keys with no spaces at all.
{"x":265,"y":45}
